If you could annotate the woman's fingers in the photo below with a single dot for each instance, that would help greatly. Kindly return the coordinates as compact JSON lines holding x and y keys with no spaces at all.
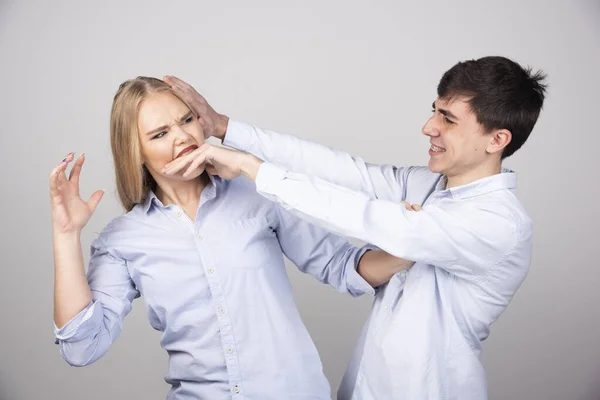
{"x":58,"y":176}
{"x":76,"y":170}
{"x":54,"y":175}
{"x":95,"y":199}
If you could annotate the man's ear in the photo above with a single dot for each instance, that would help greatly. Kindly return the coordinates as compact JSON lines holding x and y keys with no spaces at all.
{"x":499,"y":139}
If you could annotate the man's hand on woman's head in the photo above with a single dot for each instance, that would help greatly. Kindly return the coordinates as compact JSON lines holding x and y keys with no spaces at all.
{"x":214,"y":124}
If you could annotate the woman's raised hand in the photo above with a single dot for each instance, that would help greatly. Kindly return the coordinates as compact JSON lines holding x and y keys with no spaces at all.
{"x":70,"y":213}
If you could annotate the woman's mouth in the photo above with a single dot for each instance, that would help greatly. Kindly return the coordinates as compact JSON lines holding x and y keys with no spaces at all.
{"x":187,"y":150}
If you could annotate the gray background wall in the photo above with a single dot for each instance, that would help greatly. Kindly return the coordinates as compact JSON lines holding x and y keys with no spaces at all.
{"x":355,"y":75}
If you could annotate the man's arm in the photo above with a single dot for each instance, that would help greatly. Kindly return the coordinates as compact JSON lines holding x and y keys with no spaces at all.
{"x":464,"y":242}
{"x":335,"y":166}
{"x":308,"y":157}
{"x":331,"y":259}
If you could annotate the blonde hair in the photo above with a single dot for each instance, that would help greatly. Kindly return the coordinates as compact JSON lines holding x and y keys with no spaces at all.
{"x":134,"y":181}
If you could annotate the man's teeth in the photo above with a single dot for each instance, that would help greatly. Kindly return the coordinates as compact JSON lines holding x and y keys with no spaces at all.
{"x":437,"y":149}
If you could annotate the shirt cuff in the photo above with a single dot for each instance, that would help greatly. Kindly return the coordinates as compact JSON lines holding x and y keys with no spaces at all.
{"x":356,"y":284}
{"x":237,"y":135}
{"x":366,"y":248}
{"x":78,"y":327}
{"x":268,"y":174}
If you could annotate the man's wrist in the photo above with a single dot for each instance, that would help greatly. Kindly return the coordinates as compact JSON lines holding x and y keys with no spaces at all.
{"x":250,"y":166}
{"x":221,"y":126}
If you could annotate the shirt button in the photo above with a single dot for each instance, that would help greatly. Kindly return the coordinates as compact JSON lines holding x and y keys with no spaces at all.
{"x":385,"y":308}
{"x":229,"y":350}
{"x":403,"y":273}
{"x":221,"y":310}
{"x":211,"y":270}
{"x":179,"y":213}
{"x":236,"y":389}
{"x":200,"y":236}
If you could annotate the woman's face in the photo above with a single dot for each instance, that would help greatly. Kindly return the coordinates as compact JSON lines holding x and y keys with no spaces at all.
{"x":167,"y":130}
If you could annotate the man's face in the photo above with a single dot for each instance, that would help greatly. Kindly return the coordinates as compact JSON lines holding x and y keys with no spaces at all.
{"x":458,"y":141}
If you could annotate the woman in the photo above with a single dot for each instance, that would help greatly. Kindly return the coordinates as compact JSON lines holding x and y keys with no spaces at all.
{"x":205,"y":253}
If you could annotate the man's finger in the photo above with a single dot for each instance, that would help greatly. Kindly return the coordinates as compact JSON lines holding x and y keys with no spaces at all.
{"x":175,"y":81}
{"x":170,"y":80}
{"x":211,"y":169}
{"x":195,"y":164}
{"x":416,"y":207}
{"x":183,"y":160}
{"x":407,"y":205}
{"x":173,"y":167}
{"x":175,"y":84}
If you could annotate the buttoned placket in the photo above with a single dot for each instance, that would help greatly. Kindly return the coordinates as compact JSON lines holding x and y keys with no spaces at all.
{"x":218,"y":296}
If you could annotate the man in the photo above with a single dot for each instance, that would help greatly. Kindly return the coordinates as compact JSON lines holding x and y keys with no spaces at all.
{"x":471,"y":242}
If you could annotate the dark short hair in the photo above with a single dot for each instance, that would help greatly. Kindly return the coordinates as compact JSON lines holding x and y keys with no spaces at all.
{"x":501,"y":93}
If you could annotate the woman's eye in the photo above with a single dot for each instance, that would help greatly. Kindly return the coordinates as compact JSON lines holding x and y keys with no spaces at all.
{"x":158,"y":136}
{"x":190,"y":119}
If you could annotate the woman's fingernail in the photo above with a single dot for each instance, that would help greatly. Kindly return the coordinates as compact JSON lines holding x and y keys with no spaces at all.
{"x":64,"y":160}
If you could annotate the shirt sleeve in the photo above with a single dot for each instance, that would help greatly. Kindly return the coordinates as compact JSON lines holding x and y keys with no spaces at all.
{"x":463,"y":241}
{"x":88,"y":335}
{"x":327,"y":257}
{"x":304,"y":156}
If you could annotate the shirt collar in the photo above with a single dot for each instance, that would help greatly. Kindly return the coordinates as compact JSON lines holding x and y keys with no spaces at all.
{"x":209,"y":192}
{"x":506,"y":179}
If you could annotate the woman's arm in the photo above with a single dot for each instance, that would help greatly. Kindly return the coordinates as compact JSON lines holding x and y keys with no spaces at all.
{"x":88,"y":311}
{"x":377,"y":267}
{"x":69,"y":215}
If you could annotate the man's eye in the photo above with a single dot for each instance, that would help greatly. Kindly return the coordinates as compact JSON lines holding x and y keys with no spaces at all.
{"x":158,"y":136}
{"x":448,"y":121}
{"x":190,"y":119}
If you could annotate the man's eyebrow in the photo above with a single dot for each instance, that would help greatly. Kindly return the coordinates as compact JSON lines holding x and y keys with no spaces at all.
{"x":445,"y":112}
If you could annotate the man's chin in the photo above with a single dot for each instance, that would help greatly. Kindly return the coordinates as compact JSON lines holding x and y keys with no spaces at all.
{"x":434,"y":167}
